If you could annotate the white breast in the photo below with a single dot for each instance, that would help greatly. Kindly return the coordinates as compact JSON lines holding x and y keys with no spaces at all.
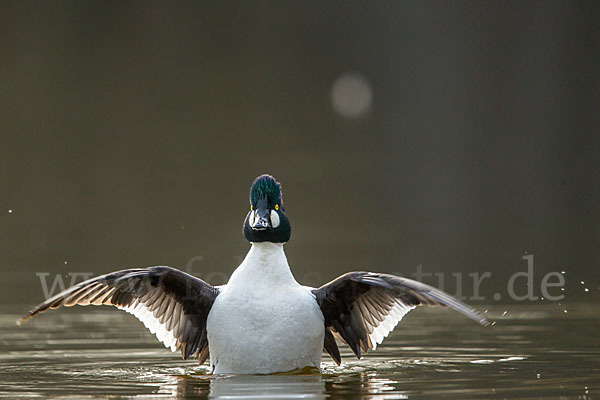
{"x":263,"y":321}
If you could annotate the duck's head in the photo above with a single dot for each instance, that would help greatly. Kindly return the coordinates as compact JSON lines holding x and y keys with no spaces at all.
{"x":266,"y":221}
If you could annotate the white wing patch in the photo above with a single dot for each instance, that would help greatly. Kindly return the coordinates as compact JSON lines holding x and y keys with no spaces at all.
{"x":380,"y":332}
{"x":141,"y":312}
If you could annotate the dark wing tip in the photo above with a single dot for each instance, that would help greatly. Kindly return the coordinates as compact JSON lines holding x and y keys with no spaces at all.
{"x":478,"y":317}
{"x":483,"y":320}
{"x":30,"y":314}
{"x":435,"y":296}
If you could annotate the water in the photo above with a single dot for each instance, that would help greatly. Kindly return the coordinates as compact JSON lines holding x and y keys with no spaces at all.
{"x":534,"y":351}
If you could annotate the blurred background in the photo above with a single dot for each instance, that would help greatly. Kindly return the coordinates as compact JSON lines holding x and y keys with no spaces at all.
{"x":458,"y":136}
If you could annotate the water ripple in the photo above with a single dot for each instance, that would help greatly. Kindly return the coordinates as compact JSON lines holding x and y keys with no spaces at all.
{"x":529,"y":353}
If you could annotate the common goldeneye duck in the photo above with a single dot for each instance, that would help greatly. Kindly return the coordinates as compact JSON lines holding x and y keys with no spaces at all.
{"x":262,"y":321}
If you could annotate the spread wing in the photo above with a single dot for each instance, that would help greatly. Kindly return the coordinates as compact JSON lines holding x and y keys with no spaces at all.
{"x":362,"y":308}
{"x":172,"y":304}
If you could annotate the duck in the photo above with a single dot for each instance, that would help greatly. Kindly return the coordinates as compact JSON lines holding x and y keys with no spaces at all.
{"x":262,"y":320}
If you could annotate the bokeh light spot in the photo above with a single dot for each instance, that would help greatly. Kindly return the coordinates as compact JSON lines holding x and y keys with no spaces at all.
{"x":351,"y":95}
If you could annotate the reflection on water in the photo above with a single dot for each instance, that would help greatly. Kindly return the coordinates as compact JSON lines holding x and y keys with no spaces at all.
{"x":531,"y":352}
{"x":278,"y":386}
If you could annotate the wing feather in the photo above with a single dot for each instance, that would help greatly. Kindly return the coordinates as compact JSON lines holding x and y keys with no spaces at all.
{"x":362,"y":308}
{"x":171,"y":304}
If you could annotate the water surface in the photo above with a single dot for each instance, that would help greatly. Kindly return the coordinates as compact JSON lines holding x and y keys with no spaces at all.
{"x":530,"y":352}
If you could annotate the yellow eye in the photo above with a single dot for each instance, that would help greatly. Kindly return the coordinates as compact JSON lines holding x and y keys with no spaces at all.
{"x":277,"y":206}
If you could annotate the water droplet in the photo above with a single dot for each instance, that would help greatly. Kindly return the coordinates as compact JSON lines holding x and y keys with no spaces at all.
{"x":10,"y":211}
{"x":66,"y":262}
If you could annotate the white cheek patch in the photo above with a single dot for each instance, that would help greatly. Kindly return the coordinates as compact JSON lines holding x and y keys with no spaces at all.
{"x":274,"y":219}
{"x":251,"y":218}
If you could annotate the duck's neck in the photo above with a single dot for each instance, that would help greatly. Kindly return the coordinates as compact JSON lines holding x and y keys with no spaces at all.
{"x":266,"y":263}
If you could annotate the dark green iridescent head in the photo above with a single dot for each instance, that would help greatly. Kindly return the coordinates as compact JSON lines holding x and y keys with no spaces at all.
{"x":265,"y":187}
{"x":266,"y":221}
